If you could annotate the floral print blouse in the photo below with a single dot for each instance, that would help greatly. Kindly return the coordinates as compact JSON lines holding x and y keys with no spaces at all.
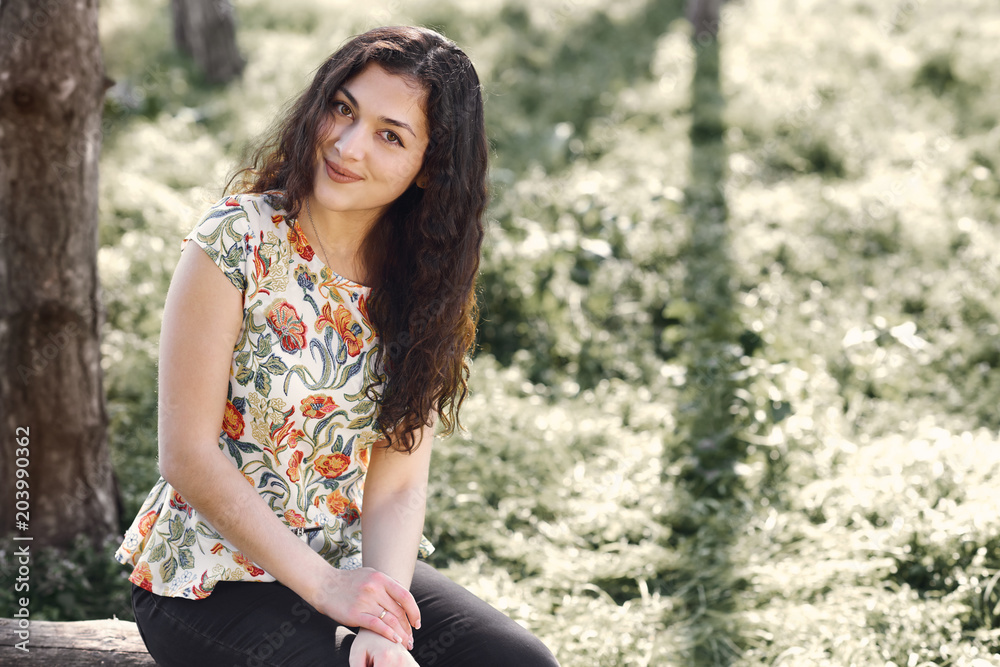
{"x":297,"y":423}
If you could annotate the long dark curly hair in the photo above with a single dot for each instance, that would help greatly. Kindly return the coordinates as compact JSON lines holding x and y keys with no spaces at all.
{"x":421,"y":256}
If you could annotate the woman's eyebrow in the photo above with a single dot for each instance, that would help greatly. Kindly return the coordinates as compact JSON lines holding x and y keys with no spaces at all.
{"x":382,"y":119}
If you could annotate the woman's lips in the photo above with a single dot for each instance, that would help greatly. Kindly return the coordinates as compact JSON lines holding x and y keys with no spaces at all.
{"x":339,"y":174}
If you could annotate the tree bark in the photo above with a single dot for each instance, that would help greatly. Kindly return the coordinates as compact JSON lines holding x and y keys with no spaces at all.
{"x":704,"y":17}
{"x":56,"y":480}
{"x":206,"y":31}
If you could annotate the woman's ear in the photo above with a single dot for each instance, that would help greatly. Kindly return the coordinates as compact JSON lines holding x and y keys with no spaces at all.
{"x":421,"y":180}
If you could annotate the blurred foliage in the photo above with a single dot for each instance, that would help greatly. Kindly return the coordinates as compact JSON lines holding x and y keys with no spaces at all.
{"x":81,"y":582}
{"x":851,"y":348}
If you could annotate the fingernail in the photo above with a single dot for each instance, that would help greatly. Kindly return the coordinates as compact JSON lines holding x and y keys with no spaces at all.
{"x":398,"y":640}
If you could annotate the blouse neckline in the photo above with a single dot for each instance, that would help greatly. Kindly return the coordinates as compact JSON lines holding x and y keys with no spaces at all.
{"x":319,"y":260}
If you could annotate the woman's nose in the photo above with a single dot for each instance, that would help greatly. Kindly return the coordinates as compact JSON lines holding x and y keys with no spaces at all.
{"x":351,"y":142}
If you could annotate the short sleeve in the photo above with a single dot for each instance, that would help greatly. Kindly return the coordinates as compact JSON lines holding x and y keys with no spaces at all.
{"x":224,"y":234}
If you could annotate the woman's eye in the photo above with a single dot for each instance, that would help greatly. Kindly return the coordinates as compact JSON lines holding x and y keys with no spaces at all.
{"x":392,"y":138}
{"x":342,"y":108}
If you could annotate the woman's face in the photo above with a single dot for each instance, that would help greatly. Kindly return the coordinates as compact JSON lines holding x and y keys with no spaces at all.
{"x":372,"y":147}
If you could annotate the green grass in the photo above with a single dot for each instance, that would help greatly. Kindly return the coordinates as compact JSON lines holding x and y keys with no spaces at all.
{"x":776,"y":449}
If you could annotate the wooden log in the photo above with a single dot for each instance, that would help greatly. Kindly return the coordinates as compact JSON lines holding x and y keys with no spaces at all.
{"x":113,"y":643}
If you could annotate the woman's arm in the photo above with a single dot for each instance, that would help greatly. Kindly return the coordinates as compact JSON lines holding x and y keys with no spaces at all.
{"x":392,"y":519}
{"x":202,"y":319}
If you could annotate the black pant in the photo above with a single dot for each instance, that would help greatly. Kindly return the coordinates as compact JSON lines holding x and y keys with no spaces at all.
{"x":255,"y":624}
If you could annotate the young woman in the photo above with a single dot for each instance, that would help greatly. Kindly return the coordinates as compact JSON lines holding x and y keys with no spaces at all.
{"x":300,"y":384}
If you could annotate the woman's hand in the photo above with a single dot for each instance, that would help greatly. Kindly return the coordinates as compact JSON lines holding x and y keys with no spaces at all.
{"x":357,"y":598}
{"x":372,"y":650}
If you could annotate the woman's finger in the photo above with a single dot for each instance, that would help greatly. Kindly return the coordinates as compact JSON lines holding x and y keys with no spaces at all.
{"x":358,"y":659}
{"x":404,"y":600}
{"x":395,"y":618}
{"x":384,"y":627}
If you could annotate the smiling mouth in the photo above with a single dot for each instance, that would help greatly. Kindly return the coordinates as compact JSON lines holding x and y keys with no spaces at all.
{"x":339,"y":174}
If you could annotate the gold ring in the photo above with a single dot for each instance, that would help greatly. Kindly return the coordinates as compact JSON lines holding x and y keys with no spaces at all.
{"x":381,"y":615}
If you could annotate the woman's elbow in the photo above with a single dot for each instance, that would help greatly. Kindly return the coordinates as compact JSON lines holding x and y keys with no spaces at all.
{"x":169,"y":466}
{"x":177,"y":467}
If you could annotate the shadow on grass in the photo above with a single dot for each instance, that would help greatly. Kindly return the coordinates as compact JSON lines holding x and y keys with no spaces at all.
{"x":708,"y":518}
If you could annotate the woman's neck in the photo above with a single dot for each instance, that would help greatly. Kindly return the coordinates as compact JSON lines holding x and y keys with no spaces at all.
{"x":339,"y":236}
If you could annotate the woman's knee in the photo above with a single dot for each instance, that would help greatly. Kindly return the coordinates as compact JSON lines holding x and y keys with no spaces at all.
{"x":522,"y":650}
{"x":496,"y":642}
{"x":461,"y":629}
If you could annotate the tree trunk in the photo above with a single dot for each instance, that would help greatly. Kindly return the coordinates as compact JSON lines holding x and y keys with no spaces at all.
{"x":206,"y":31}
{"x":56,"y":480}
{"x":704,"y":18}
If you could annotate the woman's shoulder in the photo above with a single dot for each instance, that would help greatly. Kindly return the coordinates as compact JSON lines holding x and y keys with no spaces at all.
{"x":265,"y":206}
{"x":244,"y":215}
{"x":236,"y":222}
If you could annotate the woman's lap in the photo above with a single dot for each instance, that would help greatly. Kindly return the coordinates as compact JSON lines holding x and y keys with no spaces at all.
{"x":258,"y":625}
{"x":238,"y":625}
{"x":457,"y":628}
